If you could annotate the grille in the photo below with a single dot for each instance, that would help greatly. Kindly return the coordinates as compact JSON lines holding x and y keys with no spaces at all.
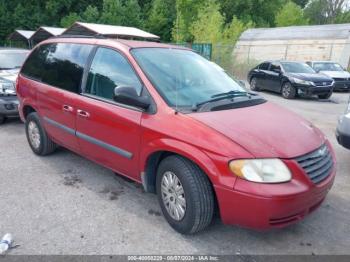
{"x":341,"y":79}
{"x":318,"y":164}
{"x":323,"y":83}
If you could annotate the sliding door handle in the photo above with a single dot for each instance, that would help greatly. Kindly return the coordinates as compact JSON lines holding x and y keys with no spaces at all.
{"x":83,"y":113}
{"x":67,"y":108}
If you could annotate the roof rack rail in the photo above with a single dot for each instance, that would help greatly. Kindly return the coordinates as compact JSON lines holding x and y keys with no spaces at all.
{"x":80,"y":36}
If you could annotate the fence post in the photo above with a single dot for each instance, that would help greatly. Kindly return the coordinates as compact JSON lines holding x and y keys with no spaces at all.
{"x":286,"y":52}
{"x":331,"y":52}
{"x":249,"y":53}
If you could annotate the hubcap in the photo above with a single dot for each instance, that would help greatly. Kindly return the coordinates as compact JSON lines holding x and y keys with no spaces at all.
{"x":34,"y":134}
{"x":286,"y":90}
{"x":173,"y":196}
{"x":253,"y":84}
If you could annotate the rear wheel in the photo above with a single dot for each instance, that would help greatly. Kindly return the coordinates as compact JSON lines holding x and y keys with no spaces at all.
{"x":253,"y":84}
{"x":288,"y":91}
{"x":185,"y":195}
{"x":37,"y":137}
{"x":325,"y":96}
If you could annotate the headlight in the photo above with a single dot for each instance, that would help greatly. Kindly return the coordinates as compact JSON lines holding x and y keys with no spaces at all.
{"x":261,"y":170}
{"x":302,"y":82}
{"x":7,"y":88}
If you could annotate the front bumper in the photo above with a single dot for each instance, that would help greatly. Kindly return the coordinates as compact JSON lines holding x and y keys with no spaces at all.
{"x":9,"y":105}
{"x":314,"y":90}
{"x":266,"y":206}
{"x":342,"y":85}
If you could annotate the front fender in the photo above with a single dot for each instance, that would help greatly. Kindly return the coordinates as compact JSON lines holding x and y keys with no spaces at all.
{"x":215,"y":166}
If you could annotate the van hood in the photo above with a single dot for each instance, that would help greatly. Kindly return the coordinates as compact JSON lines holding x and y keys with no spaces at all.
{"x":266,"y":130}
{"x":336,"y":74}
{"x":9,"y":75}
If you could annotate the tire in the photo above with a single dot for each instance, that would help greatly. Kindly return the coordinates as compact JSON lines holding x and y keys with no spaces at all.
{"x":2,"y":119}
{"x":253,"y":84}
{"x":197,"y":193}
{"x":38,"y":140}
{"x":326,"y":96}
{"x":288,"y":91}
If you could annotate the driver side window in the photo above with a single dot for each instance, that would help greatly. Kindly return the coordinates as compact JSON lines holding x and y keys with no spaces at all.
{"x":275,"y":67}
{"x":108,"y":70}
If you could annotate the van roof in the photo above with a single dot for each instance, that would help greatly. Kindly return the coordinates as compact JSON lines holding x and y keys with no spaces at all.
{"x":100,"y":40}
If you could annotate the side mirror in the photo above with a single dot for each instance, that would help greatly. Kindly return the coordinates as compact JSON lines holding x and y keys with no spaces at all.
{"x":127,"y":95}
{"x":277,"y":70}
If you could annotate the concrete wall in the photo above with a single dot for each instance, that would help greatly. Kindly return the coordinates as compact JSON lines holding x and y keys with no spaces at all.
{"x":337,"y":50}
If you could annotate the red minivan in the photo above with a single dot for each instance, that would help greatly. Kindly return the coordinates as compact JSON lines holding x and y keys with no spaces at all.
{"x":166,"y":117}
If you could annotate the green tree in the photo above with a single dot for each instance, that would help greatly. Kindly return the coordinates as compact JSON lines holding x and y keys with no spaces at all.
{"x":186,"y":13}
{"x":260,"y":12}
{"x":132,"y":14}
{"x":112,"y":12}
{"x":161,"y":18}
{"x":233,"y":30}
{"x":90,"y":15}
{"x":290,"y":14}
{"x":209,"y":24}
{"x":301,"y":3}
{"x":118,"y":12}
{"x":325,"y":11}
{"x":70,"y":19}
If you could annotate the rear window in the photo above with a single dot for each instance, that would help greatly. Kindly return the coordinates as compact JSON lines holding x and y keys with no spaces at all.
{"x":60,"y":65}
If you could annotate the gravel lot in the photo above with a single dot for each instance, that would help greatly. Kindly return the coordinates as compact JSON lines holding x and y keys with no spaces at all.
{"x":65,"y":204}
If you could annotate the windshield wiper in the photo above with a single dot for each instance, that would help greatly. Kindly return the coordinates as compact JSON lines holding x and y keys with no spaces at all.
{"x":230,"y":93}
{"x":221,"y":96}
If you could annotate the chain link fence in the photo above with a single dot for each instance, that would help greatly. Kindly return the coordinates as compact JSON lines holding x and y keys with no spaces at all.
{"x":223,"y":55}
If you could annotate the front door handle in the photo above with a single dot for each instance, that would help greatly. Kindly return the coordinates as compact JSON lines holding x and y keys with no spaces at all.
{"x":83,"y":113}
{"x":67,"y":108}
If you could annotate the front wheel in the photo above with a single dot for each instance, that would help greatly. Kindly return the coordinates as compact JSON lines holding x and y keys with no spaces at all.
{"x":325,"y":96}
{"x":39,"y":141}
{"x":288,"y":91}
{"x":253,"y":84}
{"x":185,"y":195}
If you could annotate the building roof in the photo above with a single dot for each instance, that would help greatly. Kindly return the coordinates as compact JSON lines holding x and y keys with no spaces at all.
{"x":45,"y":32}
{"x":55,"y":31}
{"x":112,"y":31}
{"x":334,"y":31}
{"x":20,"y":35}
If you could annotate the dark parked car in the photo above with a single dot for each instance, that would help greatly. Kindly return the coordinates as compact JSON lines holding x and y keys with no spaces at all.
{"x":10,"y":62}
{"x":340,"y":76}
{"x":290,"y":79}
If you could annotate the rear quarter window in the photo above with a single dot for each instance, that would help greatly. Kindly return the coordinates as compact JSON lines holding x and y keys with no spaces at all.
{"x":59,"y":64}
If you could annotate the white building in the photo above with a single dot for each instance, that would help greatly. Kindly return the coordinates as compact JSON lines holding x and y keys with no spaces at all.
{"x":302,"y":43}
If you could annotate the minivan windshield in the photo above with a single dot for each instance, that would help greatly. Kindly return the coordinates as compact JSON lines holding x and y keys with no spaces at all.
{"x":184,"y":78}
{"x":295,"y":67}
{"x":327,"y":67}
{"x":12,"y":59}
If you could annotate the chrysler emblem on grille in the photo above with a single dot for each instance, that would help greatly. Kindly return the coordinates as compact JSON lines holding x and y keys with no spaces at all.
{"x":322,"y":151}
